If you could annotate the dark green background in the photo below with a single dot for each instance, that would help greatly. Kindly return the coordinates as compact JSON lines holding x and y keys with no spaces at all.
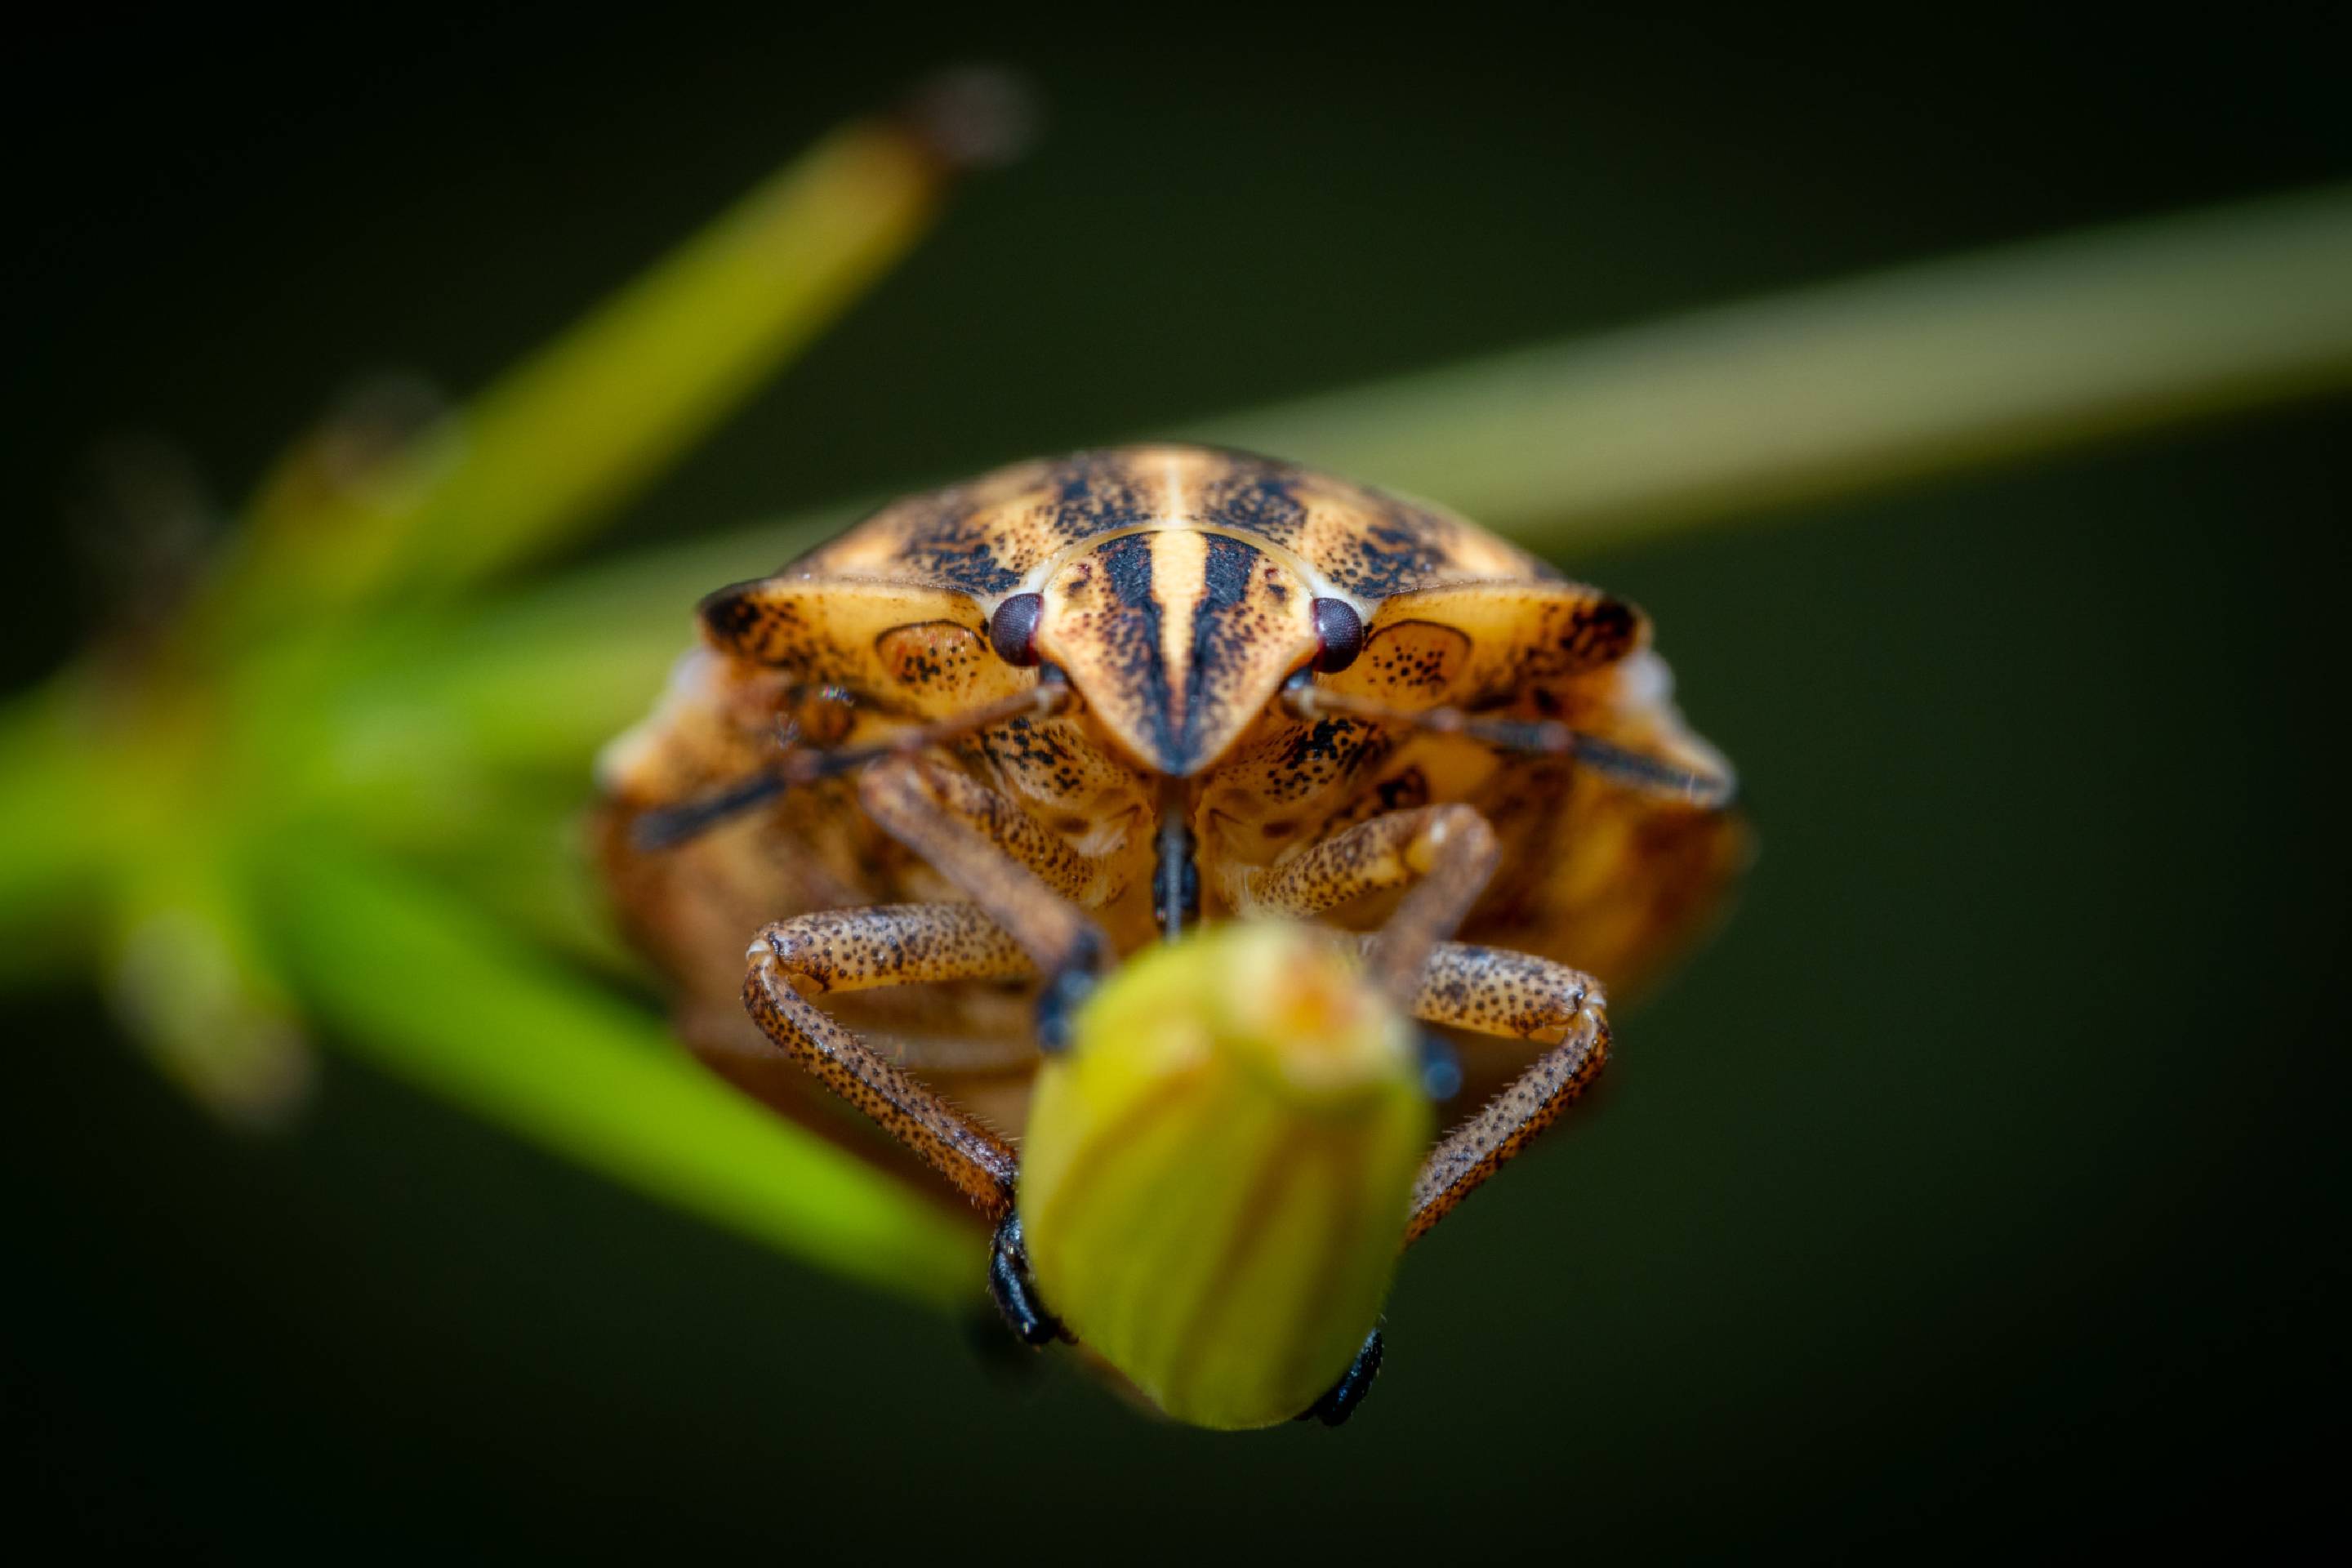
{"x":1980,"y":1190}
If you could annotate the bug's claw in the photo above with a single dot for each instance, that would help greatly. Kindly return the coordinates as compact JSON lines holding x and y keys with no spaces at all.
{"x":1340,"y":1401}
{"x":997,"y":1353}
{"x":1015,"y":1294}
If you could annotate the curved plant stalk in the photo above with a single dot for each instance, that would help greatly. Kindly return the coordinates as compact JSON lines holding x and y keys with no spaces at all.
{"x":365,"y":509}
{"x":1833,"y":390}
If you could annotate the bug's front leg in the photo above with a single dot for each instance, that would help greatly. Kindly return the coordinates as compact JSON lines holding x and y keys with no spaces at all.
{"x":1495,"y":991}
{"x":1447,"y":853}
{"x":865,"y":949}
{"x":902,"y":945}
{"x":1491,"y":991}
{"x":1010,"y":865}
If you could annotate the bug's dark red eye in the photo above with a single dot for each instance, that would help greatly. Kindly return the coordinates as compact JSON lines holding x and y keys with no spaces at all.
{"x":1339,"y":634}
{"x":1012,"y":630}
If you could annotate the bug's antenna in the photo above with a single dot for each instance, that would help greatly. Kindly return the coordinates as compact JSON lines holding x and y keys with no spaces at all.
{"x":1533,"y":737}
{"x":666,"y":827}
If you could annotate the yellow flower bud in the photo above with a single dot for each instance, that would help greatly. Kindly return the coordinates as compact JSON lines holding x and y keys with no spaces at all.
{"x":1216,"y":1176}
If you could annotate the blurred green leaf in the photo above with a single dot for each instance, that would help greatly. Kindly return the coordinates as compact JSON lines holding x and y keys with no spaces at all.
{"x":56,"y":848}
{"x":393,"y":498}
{"x":435,"y":993}
{"x":198,"y":986}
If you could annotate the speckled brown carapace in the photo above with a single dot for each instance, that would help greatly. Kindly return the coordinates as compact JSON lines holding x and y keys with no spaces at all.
{"x":1179,"y":606}
{"x":1006,"y":531}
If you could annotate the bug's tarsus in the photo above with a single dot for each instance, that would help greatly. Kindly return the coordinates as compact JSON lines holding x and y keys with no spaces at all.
{"x":1341,"y":1400}
{"x":1067,"y":986}
{"x":1014,"y":1293}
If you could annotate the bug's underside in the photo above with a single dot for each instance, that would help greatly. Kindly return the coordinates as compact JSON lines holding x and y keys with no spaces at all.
{"x":1176,"y":591}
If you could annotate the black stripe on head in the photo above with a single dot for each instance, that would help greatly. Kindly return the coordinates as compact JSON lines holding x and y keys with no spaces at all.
{"x":1127,"y":567}
{"x":1225,"y":584}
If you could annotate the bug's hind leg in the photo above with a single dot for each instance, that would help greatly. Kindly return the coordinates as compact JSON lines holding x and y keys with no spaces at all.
{"x":1494,"y":990}
{"x":864,"y":949}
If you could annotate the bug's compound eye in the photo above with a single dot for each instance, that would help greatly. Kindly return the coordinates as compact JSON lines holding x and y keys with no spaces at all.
{"x":1012,"y":630}
{"x":1339,"y":634}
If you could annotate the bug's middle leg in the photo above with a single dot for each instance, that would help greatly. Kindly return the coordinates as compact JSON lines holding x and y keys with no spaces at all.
{"x":1036,"y":886}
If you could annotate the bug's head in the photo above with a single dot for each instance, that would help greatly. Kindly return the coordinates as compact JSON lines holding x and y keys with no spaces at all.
{"x":1177,"y":638}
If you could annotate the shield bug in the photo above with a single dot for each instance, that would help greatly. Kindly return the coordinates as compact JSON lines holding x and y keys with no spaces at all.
{"x":952,"y":765}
